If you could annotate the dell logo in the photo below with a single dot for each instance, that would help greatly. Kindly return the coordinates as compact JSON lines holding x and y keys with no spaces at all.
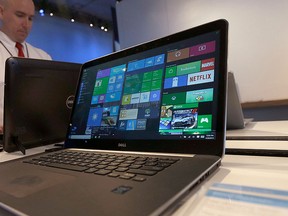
{"x":122,"y":145}
{"x":70,"y":101}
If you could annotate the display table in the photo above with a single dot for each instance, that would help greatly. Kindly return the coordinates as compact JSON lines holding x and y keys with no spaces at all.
{"x":251,"y":139}
{"x":4,"y":156}
{"x":250,"y":171}
{"x":262,"y":130}
{"x":246,"y":185}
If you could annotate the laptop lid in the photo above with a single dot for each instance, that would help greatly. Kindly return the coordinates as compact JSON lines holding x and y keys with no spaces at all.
{"x":38,"y":100}
{"x":167,"y":95}
{"x":235,"y":117}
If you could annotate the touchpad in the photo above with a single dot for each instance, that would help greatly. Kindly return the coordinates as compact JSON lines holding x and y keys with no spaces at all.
{"x":22,"y":184}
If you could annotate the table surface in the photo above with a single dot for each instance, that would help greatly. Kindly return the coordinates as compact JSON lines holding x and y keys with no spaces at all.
{"x":262,"y":130}
{"x":254,"y":171}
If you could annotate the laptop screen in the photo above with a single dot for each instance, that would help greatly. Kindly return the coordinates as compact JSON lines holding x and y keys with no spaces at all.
{"x":165,"y":90}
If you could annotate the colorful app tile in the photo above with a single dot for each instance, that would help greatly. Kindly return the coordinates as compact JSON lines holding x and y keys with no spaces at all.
{"x":141,"y":124}
{"x":204,"y":121}
{"x":149,"y":62}
{"x":94,"y":118}
{"x":157,"y":74}
{"x":159,"y":59}
{"x":193,"y":106}
{"x":126,"y":114}
{"x":101,"y":98}
{"x":155,"y":96}
{"x":98,"y":83}
{"x":168,"y":83}
{"x":94,"y":99}
{"x":198,"y":96}
{"x":148,"y":112}
{"x":178,"y":55}
{"x":173,"y":99}
{"x":199,"y":78}
{"x":136,"y":65}
{"x":131,"y":125}
{"x":188,"y":68}
{"x":133,"y":84}
{"x":114,"y":96}
{"x":202,"y":49}
{"x":126,"y":99}
{"x":156,"y":84}
{"x":171,"y":71}
{"x":165,"y":123}
{"x":101,"y":86}
{"x":135,"y":98}
{"x":144,"y":97}
{"x":111,"y":88}
{"x":112,"y":79}
{"x":208,"y":64}
{"x":118,"y":86}
{"x":146,"y":86}
{"x":184,"y":118}
{"x":118,"y":70}
{"x":147,"y":77}
{"x":103,"y":73}
{"x":114,"y":110}
{"x":175,"y":82}
{"x":120,"y":77}
{"x":122,"y":125}
{"x":109,"y":121}
{"x":166,"y":111}
{"x":106,"y":111}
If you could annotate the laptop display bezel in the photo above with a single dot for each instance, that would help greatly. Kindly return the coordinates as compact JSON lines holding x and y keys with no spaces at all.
{"x":211,"y":147}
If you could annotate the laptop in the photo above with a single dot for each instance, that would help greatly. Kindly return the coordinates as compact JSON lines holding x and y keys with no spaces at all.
{"x":38,"y":101}
{"x":235,"y":117}
{"x":147,"y":126}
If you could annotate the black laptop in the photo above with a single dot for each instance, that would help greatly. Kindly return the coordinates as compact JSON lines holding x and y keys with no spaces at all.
{"x":147,"y":125}
{"x":38,"y":101}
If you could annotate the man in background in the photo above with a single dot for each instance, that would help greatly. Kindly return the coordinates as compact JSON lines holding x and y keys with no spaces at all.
{"x":16,"y":18}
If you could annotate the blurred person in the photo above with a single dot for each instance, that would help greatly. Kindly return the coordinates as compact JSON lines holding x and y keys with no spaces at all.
{"x":16,"y":18}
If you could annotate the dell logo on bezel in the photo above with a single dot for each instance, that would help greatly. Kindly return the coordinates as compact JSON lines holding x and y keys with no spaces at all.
{"x":70,"y":101}
{"x":122,"y":145}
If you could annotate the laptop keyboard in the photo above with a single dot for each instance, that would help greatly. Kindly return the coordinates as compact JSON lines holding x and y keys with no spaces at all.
{"x":137,"y":168}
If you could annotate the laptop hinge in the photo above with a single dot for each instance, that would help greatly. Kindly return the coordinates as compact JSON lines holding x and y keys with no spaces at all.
{"x":15,"y":140}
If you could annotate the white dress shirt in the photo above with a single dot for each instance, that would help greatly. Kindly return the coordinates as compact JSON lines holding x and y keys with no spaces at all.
{"x":8,"y":49}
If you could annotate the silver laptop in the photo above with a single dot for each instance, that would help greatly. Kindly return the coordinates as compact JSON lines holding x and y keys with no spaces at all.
{"x":235,"y":117}
{"x":147,"y":126}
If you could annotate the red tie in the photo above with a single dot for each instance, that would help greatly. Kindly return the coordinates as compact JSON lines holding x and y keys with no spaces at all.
{"x":19,"y":46}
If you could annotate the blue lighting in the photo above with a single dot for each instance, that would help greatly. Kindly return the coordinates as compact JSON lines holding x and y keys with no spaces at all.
{"x":41,"y":12}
